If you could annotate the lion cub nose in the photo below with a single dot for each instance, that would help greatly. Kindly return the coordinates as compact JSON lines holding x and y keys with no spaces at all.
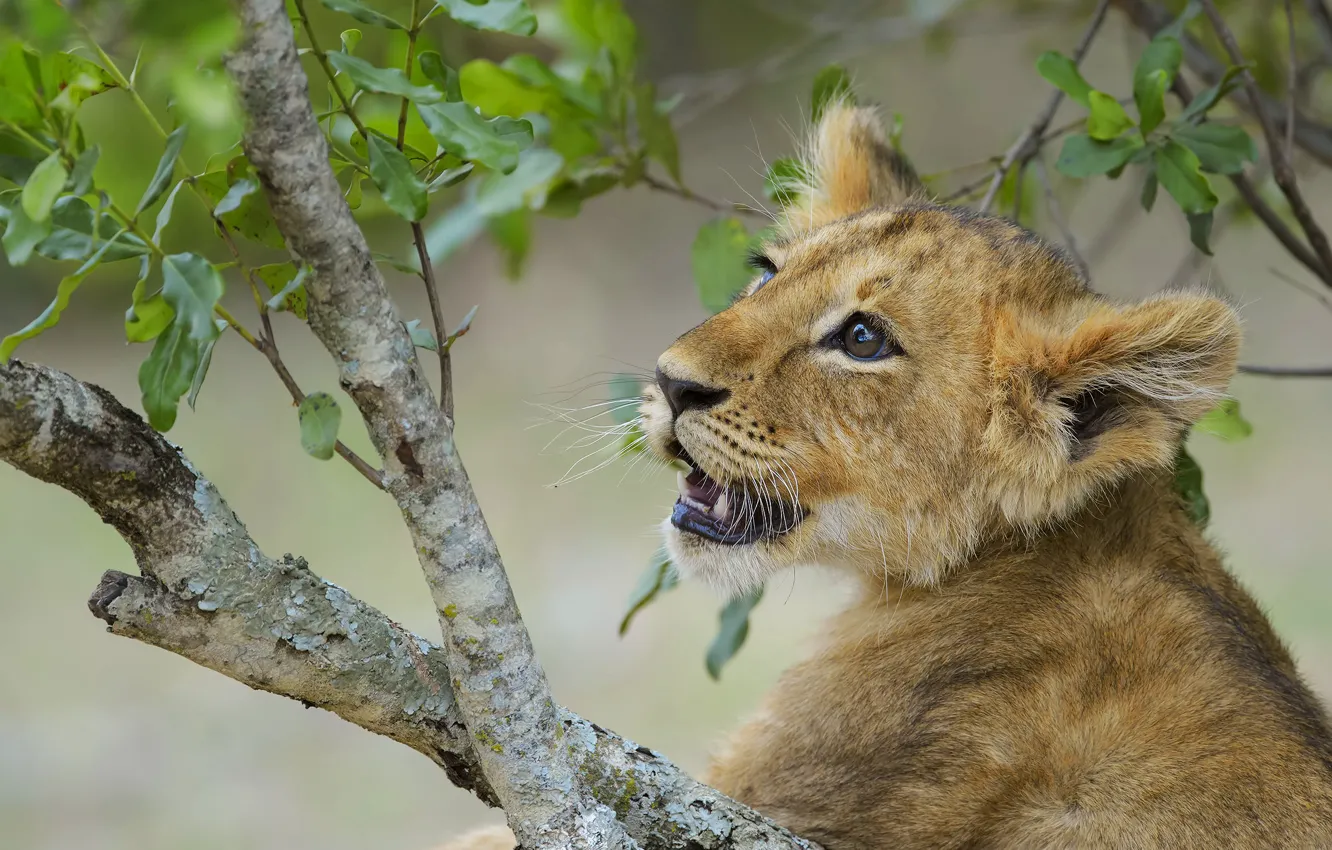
{"x":684,"y":395}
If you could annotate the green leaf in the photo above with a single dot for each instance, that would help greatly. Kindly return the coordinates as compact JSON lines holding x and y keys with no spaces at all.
{"x":421,"y":338}
{"x":1107,"y":119}
{"x":1155,"y":71}
{"x":1177,"y":168}
{"x":453,"y":230}
{"x":231,"y":201}
{"x":583,"y":182}
{"x":75,"y":78}
{"x":164,"y":214}
{"x":402,"y":190}
{"x":252,"y":218}
{"x":616,"y":31}
{"x":512,"y":232}
{"x":465,"y":134}
{"x":43,"y":187}
{"x":511,"y":16}
{"x":1220,"y":148}
{"x":659,"y":577}
{"x":783,"y":181}
{"x":463,"y":327}
{"x":732,"y":631}
{"x":831,"y":85}
{"x":656,"y":132}
{"x":350,"y":39}
{"x":498,"y":91}
{"x":1225,"y":421}
{"x":168,"y":374}
{"x":442,"y":76}
{"x":18,"y":97}
{"x":1150,"y":97}
{"x":1200,"y":231}
{"x":363,"y":13}
{"x":205,"y":360}
{"x":525,"y":186}
{"x":1149,"y":186}
{"x":162,"y":176}
{"x":1204,"y":100}
{"x":81,"y":178}
{"x":395,"y":263}
{"x":147,"y":317}
{"x":22,"y":235}
{"x":1189,"y":485}
{"x":382,"y":80}
{"x":320,"y":418}
{"x":1176,"y":27}
{"x":720,"y":261}
{"x":286,"y":288}
{"x":192,"y":287}
{"x":18,"y":156}
{"x":51,"y":315}
{"x":1083,"y":156}
{"x":70,"y":230}
{"x":1062,"y":72}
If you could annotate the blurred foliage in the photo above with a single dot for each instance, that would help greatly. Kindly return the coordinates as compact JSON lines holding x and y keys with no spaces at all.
{"x":472,"y":118}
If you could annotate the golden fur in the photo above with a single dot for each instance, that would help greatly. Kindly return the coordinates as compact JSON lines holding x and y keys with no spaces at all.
{"x":1045,"y":651}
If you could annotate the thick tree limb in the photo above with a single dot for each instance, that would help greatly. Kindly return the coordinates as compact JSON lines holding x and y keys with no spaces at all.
{"x":500,"y":687}
{"x":209,"y":594}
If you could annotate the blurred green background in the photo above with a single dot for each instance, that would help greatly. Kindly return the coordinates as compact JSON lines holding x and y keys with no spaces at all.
{"x":106,"y":743}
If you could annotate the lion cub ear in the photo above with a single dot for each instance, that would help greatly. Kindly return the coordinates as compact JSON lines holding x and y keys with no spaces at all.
{"x":851,"y":168}
{"x":1082,"y":402}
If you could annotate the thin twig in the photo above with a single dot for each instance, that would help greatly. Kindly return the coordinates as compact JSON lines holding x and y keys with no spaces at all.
{"x":1287,"y":371}
{"x":412,"y":33}
{"x":1245,"y":186}
{"x":322,"y":58}
{"x":1315,"y":294}
{"x":266,"y":345}
{"x":1029,"y":143}
{"x":681,"y":192}
{"x":1282,"y":171}
{"x":436,"y":314}
{"x":1292,"y":84}
{"x":1057,"y":215}
{"x":1323,"y":23}
{"x":1312,"y":136}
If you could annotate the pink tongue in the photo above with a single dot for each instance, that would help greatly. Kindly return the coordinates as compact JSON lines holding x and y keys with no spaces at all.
{"x":702,"y":488}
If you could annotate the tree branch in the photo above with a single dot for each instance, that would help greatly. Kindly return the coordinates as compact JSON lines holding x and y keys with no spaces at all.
{"x":1314,"y":138}
{"x":1029,"y":143}
{"x":1287,"y":371}
{"x":1282,"y":169}
{"x":500,"y":689}
{"x":209,"y":594}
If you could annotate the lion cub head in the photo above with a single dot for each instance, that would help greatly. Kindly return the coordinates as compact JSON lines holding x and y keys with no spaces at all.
{"x":903,"y":382}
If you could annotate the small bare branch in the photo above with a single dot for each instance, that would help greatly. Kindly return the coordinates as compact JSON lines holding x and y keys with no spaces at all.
{"x":266,"y":344}
{"x":1057,"y":216}
{"x":1311,"y":136}
{"x":1029,"y":143}
{"x":1287,"y":371}
{"x":1282,"y":169}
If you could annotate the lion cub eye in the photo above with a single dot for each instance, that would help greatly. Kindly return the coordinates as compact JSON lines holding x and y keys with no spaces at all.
{"x":764,"y":266}
{"x":864,"y":339}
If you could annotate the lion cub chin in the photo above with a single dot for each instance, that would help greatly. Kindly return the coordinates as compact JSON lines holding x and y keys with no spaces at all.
{"x":1046,"y":652}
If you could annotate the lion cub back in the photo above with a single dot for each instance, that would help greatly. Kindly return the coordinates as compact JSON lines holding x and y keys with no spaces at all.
{"x":1110,"y":686}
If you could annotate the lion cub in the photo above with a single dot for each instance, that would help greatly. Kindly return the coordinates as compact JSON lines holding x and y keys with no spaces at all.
{"x":1045,"y":651}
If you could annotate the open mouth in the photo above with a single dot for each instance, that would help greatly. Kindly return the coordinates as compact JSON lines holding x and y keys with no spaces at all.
{"x":730,"y":515}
